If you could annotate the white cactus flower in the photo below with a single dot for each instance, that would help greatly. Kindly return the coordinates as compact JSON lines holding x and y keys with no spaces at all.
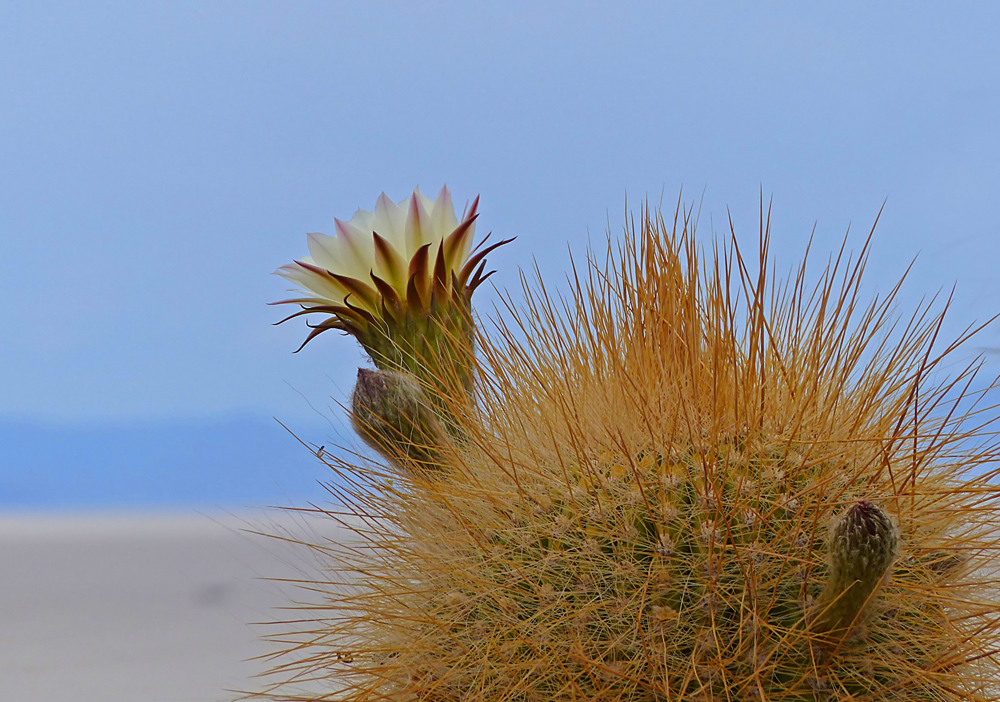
{"x":401,"y":259}
{"x":394,"y":277}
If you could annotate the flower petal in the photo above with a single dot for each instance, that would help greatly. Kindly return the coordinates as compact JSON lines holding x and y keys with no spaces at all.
{"x":419,"y":277}
{"x":472,"y":211}
{"x":390,"y":221}
{"x":418,"y":225}
{"x":413,"y":254}
{"x":325,"y":250}
{"x":332,"y":323}
{"x":363,"y":220}
{"x":471,"y":264}
{"x":304,"y":274}
{"x":425,"y":202}
{"x":441,"y":282}
{"x":355,"y":251}
{"x":304,"y":301}
{"x":389,"y":264}
{"x":458,"y":243}
{"x":443,"y":214}
{"x":391,"y":301}
{"x":365,"y":293}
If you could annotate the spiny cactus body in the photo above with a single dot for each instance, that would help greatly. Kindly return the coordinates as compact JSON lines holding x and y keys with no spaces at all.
{"x":688,"y":482}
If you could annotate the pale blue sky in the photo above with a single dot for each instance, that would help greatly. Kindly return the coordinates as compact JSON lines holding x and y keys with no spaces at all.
{"x":158,"y":160}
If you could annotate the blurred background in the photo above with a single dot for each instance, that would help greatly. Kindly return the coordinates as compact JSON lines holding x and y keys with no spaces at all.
{"x":159,"y":160}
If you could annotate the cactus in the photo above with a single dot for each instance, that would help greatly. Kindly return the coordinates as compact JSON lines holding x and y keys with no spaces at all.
{"x":391,"y":412}
{"x":862,"y":548}
{"x":684,"y":482}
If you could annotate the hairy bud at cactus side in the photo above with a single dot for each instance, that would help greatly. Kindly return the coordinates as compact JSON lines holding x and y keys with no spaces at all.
{"x":862,"y":547}
{"x":391,"y":413}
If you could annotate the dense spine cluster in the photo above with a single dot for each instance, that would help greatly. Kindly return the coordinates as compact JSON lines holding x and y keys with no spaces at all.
{"x":647,"y":499}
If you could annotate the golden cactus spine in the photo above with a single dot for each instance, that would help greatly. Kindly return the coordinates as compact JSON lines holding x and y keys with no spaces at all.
{"x":685,"y":481}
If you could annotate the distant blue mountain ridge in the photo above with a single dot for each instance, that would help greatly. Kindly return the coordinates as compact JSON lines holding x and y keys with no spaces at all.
{"x":227,"y":463}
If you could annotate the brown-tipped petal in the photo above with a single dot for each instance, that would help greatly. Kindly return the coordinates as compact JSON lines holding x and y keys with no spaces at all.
{"x":358,"y":315}
{"x":363,"y":313}
{"x":456,"y":242}
{"x":319,"y":329}
{"x":418,"y":264}
{"x":389,"y":262}
{"x":312,"y":301}
{"x":364,"y":292}
{"x":473,"y":211}
{"x":390,"y":299}
{"x":294,"y":315}
{"x":474,"y":261}
{"x":419,"y":272}
{"x":417,"y":297}
{"x":482,"y":243}
{"x":313,"y":268}
{"x":478,"y":279}
{"x":313,"y":279}
{"x":439,"y":286}
{"x":344,"y":312}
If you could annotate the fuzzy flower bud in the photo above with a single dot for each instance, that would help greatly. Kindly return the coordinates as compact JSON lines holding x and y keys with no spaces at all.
{"x":391,"y":413}
{"x":862,"y":548}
